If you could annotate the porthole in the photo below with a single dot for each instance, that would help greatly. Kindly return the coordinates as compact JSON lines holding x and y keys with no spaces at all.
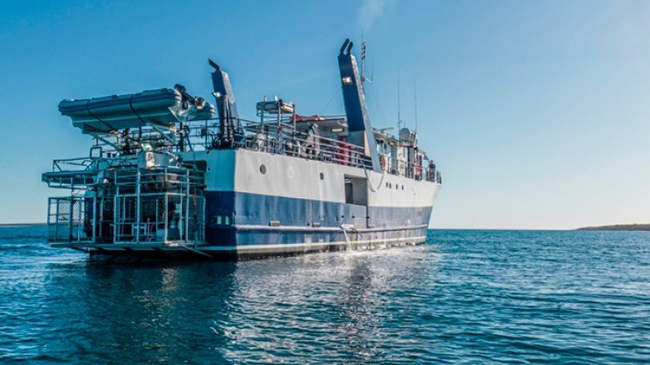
{"x":263,"y":169}
{"x":322,"y":176}
{"x":402,"y":187}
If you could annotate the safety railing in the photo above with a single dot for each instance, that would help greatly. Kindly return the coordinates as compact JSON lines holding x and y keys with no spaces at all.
{"x":158,"y":178}
{"x":276,"y":137}
{"x":91,"y":163}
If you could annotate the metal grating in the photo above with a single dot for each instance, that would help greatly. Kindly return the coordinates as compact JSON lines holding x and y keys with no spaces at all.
{"x":67,"y":220}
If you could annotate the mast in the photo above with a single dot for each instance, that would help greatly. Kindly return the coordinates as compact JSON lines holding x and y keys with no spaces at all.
{"x":226,"y":106}
{"x":415,"y":100}
{"x":363,"y":61}
{"x":222,"y":88}
{"x":399,"y":109}
{"x":360,"y":130}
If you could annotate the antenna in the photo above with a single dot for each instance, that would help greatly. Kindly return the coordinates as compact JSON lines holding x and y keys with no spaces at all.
{"x":415,"y":99}
{"x":399,"y":109}
{"x":372,"y":70}
{"x":363,"y":61}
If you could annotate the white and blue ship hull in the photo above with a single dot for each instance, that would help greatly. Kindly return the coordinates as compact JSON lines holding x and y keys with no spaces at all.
{"x":299,"y":206}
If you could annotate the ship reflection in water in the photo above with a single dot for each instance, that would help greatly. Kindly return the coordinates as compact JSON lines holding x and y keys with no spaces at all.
{"x":335,"y":308}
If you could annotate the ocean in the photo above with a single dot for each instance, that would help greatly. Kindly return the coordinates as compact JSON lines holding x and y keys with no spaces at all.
{"x":467,"y":296}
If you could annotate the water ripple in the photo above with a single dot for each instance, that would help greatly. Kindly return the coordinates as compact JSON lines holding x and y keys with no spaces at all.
{"x":465,"y":297}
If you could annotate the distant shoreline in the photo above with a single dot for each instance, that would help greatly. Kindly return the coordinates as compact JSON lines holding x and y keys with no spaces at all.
{"x":618,"y":227}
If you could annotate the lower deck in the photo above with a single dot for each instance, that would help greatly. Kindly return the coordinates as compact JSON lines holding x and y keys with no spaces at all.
{"x":316,"y":240}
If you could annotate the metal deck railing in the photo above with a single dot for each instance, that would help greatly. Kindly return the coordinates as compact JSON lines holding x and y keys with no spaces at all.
{"x":277,"y":137}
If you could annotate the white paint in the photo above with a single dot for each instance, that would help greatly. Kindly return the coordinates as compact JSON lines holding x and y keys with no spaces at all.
{"x":293,"y":177}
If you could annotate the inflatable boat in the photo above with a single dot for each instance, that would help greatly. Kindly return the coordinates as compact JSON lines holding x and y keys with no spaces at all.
{"x":161,"y":107}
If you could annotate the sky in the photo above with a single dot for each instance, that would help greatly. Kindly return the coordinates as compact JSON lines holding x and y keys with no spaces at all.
{"x":536,"y":112}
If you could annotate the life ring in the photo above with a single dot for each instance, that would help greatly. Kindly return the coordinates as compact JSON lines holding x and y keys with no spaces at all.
{"x":382,"y":162}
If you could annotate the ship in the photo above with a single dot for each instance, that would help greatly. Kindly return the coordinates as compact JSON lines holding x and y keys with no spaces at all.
{"x":170,"y":174}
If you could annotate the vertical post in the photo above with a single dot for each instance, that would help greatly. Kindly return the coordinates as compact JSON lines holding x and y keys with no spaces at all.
{"x":166,"y":217}
{"x":137,"y":207}
{"x":94,"y":220}
{"x":201,"y":220}
{"x":181,"y":214}
{"x":293,"y":118}
{"x":49,"y":208}
{"x":71,"y":215}
{"x":279,"y":124}
{"x":187,"y":206}
{"x":155,"y":221}
{"x":100,"y":218}
{"x":116,"y":227}
{"x":56,"y":220}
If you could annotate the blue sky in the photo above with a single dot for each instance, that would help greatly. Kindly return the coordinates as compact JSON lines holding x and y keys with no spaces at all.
{"x":537,"y":112}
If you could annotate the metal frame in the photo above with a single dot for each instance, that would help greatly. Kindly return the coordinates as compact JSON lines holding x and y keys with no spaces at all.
{"x":172,"y":187}
{"x":67,"y":225}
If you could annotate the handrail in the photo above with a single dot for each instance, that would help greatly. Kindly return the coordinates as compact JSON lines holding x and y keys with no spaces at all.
{"x":272,"y":136}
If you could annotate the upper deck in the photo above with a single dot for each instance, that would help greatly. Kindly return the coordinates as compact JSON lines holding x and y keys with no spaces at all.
{"x":321,"y":138}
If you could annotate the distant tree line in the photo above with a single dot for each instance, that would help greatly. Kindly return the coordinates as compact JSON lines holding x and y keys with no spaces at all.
{"x":618,"y":227}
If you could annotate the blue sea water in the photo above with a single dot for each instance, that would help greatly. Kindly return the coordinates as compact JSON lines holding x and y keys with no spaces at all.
{"x":464,"y":297}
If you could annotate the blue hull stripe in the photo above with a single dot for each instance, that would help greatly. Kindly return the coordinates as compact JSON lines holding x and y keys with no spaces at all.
{"x":245,"y":210}
{"x":232,"y":237}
